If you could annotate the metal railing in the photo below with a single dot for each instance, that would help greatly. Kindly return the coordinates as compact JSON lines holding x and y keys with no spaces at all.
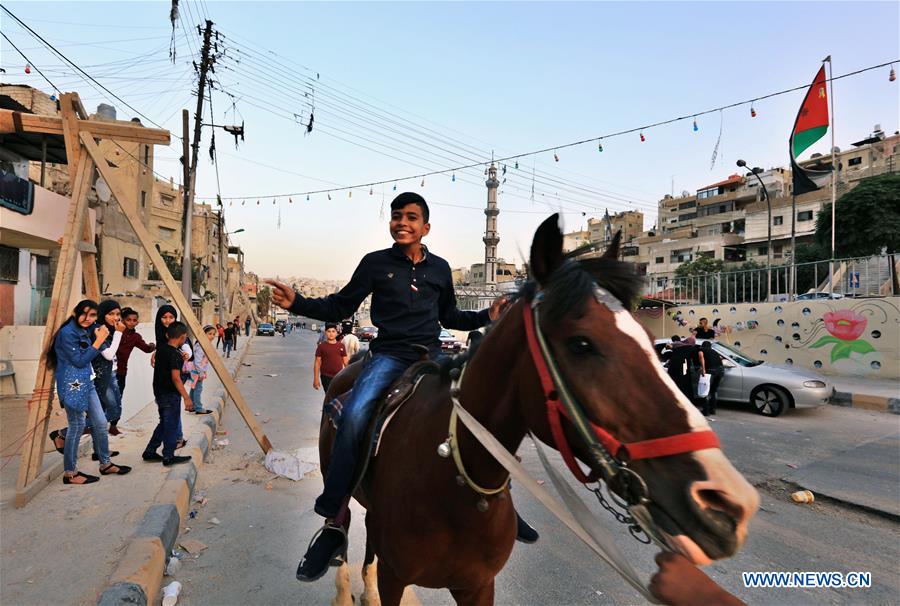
{"x":854,"y":277}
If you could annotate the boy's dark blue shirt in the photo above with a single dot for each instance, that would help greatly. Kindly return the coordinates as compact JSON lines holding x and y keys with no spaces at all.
{"x":410,"y":302}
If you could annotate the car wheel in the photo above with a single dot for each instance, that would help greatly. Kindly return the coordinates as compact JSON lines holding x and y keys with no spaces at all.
{"x":769,"y":401}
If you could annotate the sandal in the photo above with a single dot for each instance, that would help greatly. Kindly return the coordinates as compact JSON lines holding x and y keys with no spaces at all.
{"x":87,"y":479}
{"x":54,"y":435}
{"x":121,"y":470}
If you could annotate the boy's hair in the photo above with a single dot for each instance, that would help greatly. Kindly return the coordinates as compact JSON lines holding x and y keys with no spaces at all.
{"x":128,"y":312}
{"x":175,"y":330}
{"x":676,"y":338}
{"x":208,"y":328}
{"x":330,"y":325}
{"x":410,"y":197}
{"x":231,"y":324}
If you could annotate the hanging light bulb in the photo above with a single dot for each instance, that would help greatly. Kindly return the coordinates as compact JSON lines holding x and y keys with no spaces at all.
{"x":893,"y":75}
{"x":453,"y":178}
{"x":27,"y":69}
{"x":696,"y":128}
{"x":752,"y":111}
{"x":243,"y":202}
{"x":230,"y":203}
{"x":599,"y":146}
{"x":643,"y":138}
{"x":257,"y":202}
{"x":422,"y":184}
{"x":329,"y":195}
{"x":350,"y":194}
{"x":395,"y":186}
{"x":556,"y":156}
{"x":273,"y":201}
{"x":517,"y":164}
{"x":370,"y":190}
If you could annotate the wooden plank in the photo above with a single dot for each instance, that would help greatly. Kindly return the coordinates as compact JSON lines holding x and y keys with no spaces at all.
{"x":40,"y":405}
{"x":129,"y":206}
{"x":18,"y":122}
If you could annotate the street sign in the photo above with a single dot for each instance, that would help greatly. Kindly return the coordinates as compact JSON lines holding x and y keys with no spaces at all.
{"x":853,"y":278}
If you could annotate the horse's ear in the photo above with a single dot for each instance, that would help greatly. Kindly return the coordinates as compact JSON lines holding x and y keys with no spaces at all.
{"x":546,"y":249}
{"x":612,"y":251}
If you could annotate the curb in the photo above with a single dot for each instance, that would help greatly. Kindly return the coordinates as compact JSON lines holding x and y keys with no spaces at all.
{"x":866,"y":402}
{"x":138,"y":575}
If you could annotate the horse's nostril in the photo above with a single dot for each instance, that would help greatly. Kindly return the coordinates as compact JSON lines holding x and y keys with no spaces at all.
{"x":711,"y":500}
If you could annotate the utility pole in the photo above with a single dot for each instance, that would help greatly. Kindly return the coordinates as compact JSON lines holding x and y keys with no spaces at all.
{"x":221,"y":266}
{"x":191,"y":179}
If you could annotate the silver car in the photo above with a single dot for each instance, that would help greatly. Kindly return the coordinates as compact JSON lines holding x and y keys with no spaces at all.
{"x":769,"y":388}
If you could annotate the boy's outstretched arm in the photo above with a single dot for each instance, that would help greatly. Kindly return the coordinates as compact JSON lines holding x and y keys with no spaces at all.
{"x":334,"y":307}
{"x":680,"y":583}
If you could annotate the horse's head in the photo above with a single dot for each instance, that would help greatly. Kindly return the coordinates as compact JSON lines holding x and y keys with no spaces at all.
{"x":606,"y":362}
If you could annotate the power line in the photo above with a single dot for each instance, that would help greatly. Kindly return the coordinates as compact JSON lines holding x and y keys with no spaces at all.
{"x":29,"y":62}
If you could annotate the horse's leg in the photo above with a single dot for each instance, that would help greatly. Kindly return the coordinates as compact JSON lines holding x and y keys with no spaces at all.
{"x":343,"y":596}
{"x":477,"y":596}
{"x":390,"y":588}
{"x":370,"y":577}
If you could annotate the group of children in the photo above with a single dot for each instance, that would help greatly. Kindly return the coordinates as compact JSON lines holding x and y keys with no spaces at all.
{"x":228,"y":335}
{"x":90,"y":354}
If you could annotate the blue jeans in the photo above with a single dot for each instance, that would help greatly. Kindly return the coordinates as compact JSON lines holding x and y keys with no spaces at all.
{"x":76,"y":427}
{"x":196,"y":394}
{"x":228,"y":345}
{"x":375,"y":378}
{"x":111,"y":400}
{"x":167,"y":430}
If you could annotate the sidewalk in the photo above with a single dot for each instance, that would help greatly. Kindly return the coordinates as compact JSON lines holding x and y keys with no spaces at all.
{"x":872,"y":394}
{"x":64,"y":524}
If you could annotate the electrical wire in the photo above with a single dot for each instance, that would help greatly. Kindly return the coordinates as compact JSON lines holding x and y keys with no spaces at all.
{"x":29,"y":62}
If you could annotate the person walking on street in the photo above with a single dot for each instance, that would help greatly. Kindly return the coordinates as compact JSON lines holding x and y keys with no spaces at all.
{"x":247,"y":326}
{"x":236,"y":333}
{"x":220,"y":331}
{"x":331,"y":358}
{"x":712,"y":361}
{"x":349,"y":340}
{"x":229,"y":339}
{"x":71,"y":352}
{"x":407,"y":309}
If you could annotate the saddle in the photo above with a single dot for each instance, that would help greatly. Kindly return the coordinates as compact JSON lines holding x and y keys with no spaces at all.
{"x":396,"y":395}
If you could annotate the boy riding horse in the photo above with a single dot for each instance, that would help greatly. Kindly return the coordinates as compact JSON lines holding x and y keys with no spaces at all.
{"x":412,"y":298}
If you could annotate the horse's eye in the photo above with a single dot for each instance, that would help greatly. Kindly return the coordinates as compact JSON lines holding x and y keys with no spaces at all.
{"x":581,"y":346}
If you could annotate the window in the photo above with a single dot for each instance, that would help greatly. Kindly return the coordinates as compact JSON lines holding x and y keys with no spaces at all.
{"x":855,"y":161}
{"x":147,"y":155}
{"x":687,"y":216}
{"x":805,"y":215}
{"x":9,"y":264}
{"x":166,"y":233}
{"x":660,"y":259}
{"x":686,"y":205}
{"x":130,"y":268}
{"x":779,"y":220}
{"x":762,"y":251}
{"x":165,"y":200}
{"x":143,"y":199}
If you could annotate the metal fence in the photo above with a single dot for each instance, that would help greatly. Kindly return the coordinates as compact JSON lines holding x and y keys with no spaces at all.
{"x":853,"y":277}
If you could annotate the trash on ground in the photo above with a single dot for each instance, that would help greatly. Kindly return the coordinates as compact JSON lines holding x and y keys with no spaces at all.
{"x":288,"y":465}
{"x":540,"y":482}
{"x":791,"y":465}
{"x":221,"y":444}
{"x":215,"y":521}
{"x":803,"y":496}
{"x":245,"y":364}
{"x":272,"y":374}
{"x":221,"y":432}
{"x":268,"y":485}
{"x":201,"y":501}
{"x":267,"y":419}
{"x":193,"y":546}
{"x":172,"y":567}
{"x":192,"y":514}
{"x":170,"y":593}
{"x":177,"y":554}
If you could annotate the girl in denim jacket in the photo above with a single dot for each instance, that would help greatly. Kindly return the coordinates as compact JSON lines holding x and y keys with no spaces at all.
{"x":71,"y":353}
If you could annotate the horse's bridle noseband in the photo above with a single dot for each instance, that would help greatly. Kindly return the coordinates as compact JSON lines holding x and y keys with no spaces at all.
{"x":608,"y":456}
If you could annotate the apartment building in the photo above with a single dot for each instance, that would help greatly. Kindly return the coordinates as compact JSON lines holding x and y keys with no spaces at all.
{"x":575,"y":240}
{"x":629,"y":222}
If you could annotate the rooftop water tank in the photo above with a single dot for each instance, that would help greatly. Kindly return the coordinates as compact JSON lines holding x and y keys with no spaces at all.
{"x":106,"y":112}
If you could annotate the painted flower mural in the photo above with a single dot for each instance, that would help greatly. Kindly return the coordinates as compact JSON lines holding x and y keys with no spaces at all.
{"x":845,"y":327}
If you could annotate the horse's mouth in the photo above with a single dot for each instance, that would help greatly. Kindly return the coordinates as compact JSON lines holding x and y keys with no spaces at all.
{"x":712,"y":535}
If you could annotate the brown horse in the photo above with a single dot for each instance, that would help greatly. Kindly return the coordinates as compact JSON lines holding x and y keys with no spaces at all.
{"x":429,"y":528}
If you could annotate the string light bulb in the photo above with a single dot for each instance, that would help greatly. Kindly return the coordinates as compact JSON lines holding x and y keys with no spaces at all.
{"x":556,"y":156}
{"x":370,"y":190}
{"x":257,"y":202}
{"x":243,"y":202}
{"x":893,"y":75}
{"x":599,"y":146}
{"x":27,"y":69}
{"x":643,"y":138}
{"x":696,"y":128}
{"x":517,"y":164}
{"x":273,"y":201}
{"x":350,"y":194}
{"x":752,"y":111}
{"x":329,"y":195}
{"x":395,"y":186}
{"x":422,"y":184}
{"x":453,"y":178}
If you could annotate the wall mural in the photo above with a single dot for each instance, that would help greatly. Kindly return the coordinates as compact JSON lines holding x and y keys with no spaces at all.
{"x":853,"y":337}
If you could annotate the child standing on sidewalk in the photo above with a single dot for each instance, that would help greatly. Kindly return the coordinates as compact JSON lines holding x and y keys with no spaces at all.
{"x":220,"y":330}
{"x":130,"y":340}
{"x":229,"y":339}
{"x":168,"y":391}
{"x":198,"y":368}
{"x":331,"y":358}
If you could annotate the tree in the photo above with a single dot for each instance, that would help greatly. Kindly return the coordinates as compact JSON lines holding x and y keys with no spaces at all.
{"x":867,"y":220}
{"x":698,"y":279}
{"x":699,"y":267}
{"x":263,"y":301}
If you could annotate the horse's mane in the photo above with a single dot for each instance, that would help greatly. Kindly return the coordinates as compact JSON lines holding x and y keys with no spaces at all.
{"x":567,"y":291}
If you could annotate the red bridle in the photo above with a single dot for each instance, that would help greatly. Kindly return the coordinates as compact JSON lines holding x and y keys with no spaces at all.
{"x":621,"y":452}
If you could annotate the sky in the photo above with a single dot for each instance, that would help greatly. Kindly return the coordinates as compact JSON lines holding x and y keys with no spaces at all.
{"x":405,"y":88}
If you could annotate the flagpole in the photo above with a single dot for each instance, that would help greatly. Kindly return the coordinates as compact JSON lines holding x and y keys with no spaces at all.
{"x":833,"y":175}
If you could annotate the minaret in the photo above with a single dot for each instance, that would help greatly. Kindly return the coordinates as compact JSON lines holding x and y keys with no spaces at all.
{"x":491,"y":237}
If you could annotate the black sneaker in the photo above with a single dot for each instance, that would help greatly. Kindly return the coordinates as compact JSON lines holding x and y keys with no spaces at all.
{"x":327,"y":548}
{"x":112,"y":453}
{"x":152,"y":457}
{"x":524,"y":532}
{"x":175,"y":460}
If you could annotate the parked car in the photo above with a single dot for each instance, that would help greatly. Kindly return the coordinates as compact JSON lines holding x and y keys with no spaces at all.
{"x":769,"y":388}
{"x":367,"y":333}
{"x":265,"y":329}
{"x":812,"y":296}
{"x":449,"y":343}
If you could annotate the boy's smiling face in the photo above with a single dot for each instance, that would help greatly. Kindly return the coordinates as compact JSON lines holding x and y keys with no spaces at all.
{"x":408,"y":226}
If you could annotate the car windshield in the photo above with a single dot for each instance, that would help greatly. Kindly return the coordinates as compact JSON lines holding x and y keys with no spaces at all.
{"x":736,"y":355}
{"x":265,"y":325}
{"x":445,"y":334}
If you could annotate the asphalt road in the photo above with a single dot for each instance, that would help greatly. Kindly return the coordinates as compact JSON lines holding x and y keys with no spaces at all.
{"x":265,"y":523}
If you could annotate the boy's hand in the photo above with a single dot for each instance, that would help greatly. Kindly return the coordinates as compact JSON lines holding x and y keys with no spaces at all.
{"x":680,"y":582}
{"x":185,"y":356}
{"x":153,"y":360}
{"x":498,"y":307}
{"x":188,"y":405}
{"x":101,"y":333}
{"x":282,"y":294}
{"x":120,"y":326}
{"x":316,"y":384}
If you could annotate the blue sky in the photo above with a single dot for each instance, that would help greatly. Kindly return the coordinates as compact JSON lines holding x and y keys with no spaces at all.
{"x":473,"y":77}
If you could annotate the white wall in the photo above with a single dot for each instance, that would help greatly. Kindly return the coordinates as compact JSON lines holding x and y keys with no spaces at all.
{"x":22,"y":290}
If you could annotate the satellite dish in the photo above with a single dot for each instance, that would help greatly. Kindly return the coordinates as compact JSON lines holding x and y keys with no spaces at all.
{"x":102,"y":189}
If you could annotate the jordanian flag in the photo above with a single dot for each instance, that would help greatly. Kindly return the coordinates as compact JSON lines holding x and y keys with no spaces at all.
{"x":810,"y":126}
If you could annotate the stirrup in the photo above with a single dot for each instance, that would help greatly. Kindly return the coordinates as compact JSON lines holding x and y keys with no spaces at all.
{"x":342,"y":556}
